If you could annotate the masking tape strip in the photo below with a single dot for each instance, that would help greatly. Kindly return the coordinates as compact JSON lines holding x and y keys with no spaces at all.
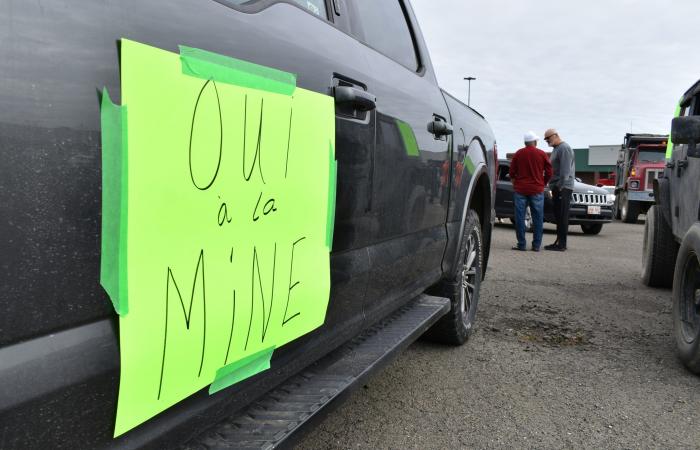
{"x":114,"y":201}
{"x":207,"y":65}
{"x":240,"y":370}
{"x":409,"y":138}
{"x":332,"y":180}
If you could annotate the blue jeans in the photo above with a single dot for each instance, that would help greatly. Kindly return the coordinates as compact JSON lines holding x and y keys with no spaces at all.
{"x":536,"y":204}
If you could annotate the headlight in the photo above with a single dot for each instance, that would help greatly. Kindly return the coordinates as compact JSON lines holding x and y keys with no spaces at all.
{"x":611,"y":199}
{"x":634,"y":184}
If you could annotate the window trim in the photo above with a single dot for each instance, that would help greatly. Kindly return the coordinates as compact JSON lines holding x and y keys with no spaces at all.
{"x":420,"y":67}
{"x":261,"y":5}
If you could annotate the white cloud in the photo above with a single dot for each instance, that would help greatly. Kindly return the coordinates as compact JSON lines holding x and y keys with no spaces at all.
{"x":589,"y":69}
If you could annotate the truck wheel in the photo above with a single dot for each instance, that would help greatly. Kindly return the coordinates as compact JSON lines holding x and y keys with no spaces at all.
{"x":616,"y":208}
{"x":686,"y":300}
{"x":463,"y":289}
{"x":591,"y":228}
{"x":630,"y":210}
{"x":659,"y":250}
{"x":528,"y":220}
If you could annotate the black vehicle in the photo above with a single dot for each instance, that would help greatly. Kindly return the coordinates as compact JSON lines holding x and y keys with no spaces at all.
{"x":591,"y":206}
{"x":672,"y":229}
{"x":410,"y":219}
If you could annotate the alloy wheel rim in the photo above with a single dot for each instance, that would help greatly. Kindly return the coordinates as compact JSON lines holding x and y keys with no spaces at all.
{"x":528,"y":219}
{"x":469,"y":280}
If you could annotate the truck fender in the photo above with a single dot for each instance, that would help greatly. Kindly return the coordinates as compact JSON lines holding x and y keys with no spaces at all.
{"x":480,"y":170}
{"x":662,"y":196}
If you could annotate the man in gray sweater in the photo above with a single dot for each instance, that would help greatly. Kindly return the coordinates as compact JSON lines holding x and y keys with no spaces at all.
{"x":561,"y":184}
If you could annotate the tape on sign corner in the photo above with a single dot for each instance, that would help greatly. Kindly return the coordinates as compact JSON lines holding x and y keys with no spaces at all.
{"x":113,"y":246}
{"x":213,"y":66}
{"x":240,"y":370}
{"x":332,"y":183}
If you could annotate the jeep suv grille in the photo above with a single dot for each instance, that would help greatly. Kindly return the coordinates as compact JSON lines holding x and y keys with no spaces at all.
{"x":579,"y":198}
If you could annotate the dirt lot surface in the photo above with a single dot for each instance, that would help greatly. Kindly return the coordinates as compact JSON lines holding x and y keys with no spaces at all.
{"x":569,"y":350}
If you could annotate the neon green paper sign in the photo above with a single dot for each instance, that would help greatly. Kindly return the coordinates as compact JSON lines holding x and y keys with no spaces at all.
{"x":226,"y":172}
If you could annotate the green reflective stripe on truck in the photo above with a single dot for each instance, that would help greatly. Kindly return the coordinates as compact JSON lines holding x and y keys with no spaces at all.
{"x":410,"y":144}
{"x":669,"y":145}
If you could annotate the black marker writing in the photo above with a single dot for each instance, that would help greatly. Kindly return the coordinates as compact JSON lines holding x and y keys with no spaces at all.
{"x":265,"y":317}
{"x":258,"y":153}
{"x":289,"y":140}
{"x":187,"y":312}
{"x":230,"y":333}
{"x":223,"y":215}
{"x":203,"y":186}
{"x":268,"y":208}
{"x":291,"y":286}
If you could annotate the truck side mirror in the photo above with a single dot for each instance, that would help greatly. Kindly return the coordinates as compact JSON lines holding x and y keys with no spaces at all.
{"x":686,"y":130}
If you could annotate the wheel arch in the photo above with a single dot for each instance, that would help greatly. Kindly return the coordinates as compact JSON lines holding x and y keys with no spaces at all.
{"x":479,"y":198}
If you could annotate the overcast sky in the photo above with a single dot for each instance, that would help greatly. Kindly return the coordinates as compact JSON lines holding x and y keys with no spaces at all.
{"x":590,"y":69}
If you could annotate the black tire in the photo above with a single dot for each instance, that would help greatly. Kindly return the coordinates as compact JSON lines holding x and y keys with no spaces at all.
{"x":686,"y":300}
{"x":659,"y":250}
{"x":591,"y":228}
{"x":630,"y":210}
{"x":616,"y":207}
{"x":462,"y":289}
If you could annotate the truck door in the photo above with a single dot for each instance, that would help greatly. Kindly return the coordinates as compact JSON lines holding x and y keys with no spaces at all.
{"x":685,"y":181}
{"x":50,"y":177}
{"x":504,"y":191}
{"x":409,"y":202}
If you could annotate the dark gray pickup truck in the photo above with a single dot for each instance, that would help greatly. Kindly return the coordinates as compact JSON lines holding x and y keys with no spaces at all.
{"x":414,"y":201}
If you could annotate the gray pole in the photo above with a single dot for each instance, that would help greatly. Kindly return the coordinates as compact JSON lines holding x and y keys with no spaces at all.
{"x":469,"y":95}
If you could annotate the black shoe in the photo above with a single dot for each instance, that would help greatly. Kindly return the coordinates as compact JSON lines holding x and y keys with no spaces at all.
{"x":555,"y":248}
{"x":520,"y":249}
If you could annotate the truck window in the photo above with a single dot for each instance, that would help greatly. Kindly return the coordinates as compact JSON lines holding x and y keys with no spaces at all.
{"x":696,"y":105}
{"x":504,"y":172}
{"x":651,"y":155}
{"x":382,"y":25}
{"x":315,"y":7}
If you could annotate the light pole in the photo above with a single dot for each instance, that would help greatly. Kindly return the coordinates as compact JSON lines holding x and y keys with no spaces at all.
{"x":469,"y":95}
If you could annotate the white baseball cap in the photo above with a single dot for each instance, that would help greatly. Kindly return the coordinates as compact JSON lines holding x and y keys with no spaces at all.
{"x":530,"y":136}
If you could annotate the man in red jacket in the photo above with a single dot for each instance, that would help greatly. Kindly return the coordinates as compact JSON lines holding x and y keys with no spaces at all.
{"x":530,"y":170}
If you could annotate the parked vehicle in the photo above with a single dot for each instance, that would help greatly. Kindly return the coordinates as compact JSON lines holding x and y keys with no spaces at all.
{"x":591,"y":206}
{"x":639,"y":163}
{"x":611,"y":195}
{"x":672,"y":229}
{"x":415,"y":195}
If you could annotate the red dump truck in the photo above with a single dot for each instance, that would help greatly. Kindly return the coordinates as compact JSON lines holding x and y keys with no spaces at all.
{"x":639,"y":163}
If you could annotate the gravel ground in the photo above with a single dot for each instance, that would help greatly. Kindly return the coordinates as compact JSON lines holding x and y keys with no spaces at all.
{"x":569,"y":350}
